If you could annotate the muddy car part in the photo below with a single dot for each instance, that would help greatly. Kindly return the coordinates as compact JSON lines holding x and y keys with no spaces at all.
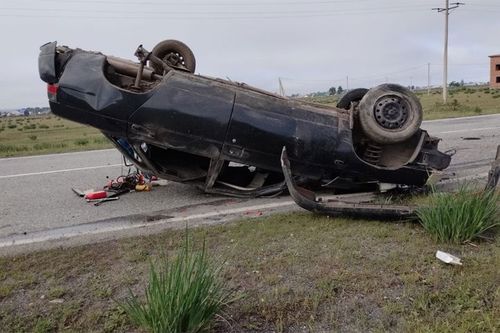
{"x":353,"y":205}
{"x":176,"y":54}
{"x":227,"y":137}
{"x":390,"y":113}
{"x":494,"y":173}
{"x":351,"y":96}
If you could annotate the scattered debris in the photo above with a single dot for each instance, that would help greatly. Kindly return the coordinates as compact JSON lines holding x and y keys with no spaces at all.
{"x":134,"y":181}
{"x":96,"y":195}
{"x":98,"y":202}
{"x":494,"y":174}
{"x":56,"y":301}
{"x":448,"y":258}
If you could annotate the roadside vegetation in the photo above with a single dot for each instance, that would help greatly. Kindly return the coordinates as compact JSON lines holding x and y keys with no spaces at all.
{"x":461,"y":216}
{"x":183,"y":294}
{"x":290,"y":273}
{"x":35,"y":135}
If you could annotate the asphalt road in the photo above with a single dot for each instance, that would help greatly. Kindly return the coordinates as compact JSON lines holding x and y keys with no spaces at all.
{"x":37,"y":203}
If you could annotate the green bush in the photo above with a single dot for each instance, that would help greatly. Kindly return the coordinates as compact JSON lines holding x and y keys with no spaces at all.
{"x":12,"y":126}
{"x":183,"y":295}
{"x":33,"y":137}
{"x":101,"y":140}
{"x":43,"y":126}
{"x":81,"y":142}
{"x":47,"y":145}
{"x":461,"y":216}
{"x":12,"y":148}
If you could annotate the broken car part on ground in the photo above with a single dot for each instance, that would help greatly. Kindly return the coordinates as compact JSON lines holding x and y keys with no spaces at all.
{"x":230,"y":138}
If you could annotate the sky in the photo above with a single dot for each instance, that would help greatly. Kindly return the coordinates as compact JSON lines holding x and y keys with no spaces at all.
{"x":311,"y":45}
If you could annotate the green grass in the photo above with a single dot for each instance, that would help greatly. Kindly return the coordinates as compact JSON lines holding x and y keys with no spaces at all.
{"x":460,"y":216}
{"x":46,"y":134}
{"x":183,"y":294}
{"x":290,"y":273}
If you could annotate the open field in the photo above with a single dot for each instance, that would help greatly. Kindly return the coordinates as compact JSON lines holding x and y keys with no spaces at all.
{"x":462,"y":102}
{"x":37,"y":135}
{"x":292,"y":272}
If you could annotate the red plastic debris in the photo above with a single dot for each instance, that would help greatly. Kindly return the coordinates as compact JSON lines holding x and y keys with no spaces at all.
{"x":96,"y":195}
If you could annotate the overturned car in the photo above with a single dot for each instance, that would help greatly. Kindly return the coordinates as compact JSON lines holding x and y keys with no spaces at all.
{"x":234,"y":139}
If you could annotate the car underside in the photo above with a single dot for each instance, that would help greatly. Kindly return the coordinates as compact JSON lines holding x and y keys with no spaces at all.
{"x":233,"y":139}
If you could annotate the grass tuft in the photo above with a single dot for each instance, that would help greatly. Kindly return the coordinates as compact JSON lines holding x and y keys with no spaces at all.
{"x":461,"y":216}
{"x":183,"y":295}
{"x":81,"y":142}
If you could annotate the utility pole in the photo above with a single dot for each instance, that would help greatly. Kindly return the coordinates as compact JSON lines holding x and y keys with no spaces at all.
{"x":446,"y":11}
{"x":428,"y":78}
{"x":281,"y":88}
{"x":347,"y":82}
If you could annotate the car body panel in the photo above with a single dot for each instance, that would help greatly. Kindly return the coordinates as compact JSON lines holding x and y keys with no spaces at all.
{"x":190,"y":128}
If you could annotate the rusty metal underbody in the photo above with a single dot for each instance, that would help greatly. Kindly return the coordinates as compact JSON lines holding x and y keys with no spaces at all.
{"x":362,"y":204}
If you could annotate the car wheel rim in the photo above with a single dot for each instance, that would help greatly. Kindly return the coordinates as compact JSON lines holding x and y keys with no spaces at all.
{"x":391,"y":112}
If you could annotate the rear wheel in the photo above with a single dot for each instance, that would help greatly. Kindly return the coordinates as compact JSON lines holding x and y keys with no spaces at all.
{"x":390,"y":113}
{"x":354,"y":95}
{"x":176,"y":54}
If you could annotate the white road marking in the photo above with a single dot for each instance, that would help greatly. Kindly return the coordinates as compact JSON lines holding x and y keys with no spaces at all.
{"x":58,"y":154}
{"x":59,"y":171}
{"x":462,"y":118}
{"x":92,"y":228}
{"x":470,"y":130}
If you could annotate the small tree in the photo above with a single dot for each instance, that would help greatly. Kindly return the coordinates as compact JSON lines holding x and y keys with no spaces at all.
{"x":332,"y":91}
{"x":340,"y":90}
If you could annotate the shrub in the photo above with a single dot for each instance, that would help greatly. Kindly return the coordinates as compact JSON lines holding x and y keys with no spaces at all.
{"x":101,"y":140}
{"x":183,"y":295}
{"x":81,"y":142}
{"x":12,"y":148}
{"x":461,"y":216}
{"x":43,"y":126}
{"x":47,"y":145}
{"x":478,"y":110}
{"x":12,"y":126}
{"x":33,"y":137}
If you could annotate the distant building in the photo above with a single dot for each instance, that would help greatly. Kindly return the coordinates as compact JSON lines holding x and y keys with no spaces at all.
{"x":495,"y":71}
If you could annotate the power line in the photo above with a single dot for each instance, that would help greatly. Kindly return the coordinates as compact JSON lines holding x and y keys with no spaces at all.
{"x":218,"y":12}
{"x":210,"y":4}
{"x":253,"y":16}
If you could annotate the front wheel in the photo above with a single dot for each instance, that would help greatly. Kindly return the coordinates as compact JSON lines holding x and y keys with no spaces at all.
{"x":390,"y":113}
{"x":176,"y":54}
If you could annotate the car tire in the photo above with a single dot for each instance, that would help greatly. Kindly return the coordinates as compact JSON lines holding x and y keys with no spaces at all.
{"x":354,"y":95}
{"x":390,"y":113}
{"x":175,"y":53}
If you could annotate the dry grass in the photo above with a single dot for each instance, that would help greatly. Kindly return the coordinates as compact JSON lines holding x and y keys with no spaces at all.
{"x":20,"y":136}
{"x":291,"y":272}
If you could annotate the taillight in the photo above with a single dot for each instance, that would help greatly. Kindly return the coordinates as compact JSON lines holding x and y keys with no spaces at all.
{"x":52,"y":92}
